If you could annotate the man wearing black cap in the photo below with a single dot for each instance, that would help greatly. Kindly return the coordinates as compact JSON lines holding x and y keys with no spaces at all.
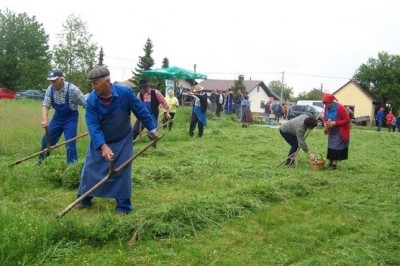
{"x":152,"y":99}
{"x":65,"y":98}
{"x":108,"y":110}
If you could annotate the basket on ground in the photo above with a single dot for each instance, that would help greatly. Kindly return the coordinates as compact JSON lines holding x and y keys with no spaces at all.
{"x":317,"y":164}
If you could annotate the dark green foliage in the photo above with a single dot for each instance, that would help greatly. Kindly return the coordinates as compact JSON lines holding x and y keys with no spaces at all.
{"x":24,"y":56}
{"x":381,"y":77}
{"x":145,"y":62}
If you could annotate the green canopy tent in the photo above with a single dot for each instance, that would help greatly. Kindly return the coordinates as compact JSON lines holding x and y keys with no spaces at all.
{"x":173,"y":73}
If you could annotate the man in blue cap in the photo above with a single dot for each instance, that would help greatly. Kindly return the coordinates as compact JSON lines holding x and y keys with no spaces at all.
{"x":65,"y":98}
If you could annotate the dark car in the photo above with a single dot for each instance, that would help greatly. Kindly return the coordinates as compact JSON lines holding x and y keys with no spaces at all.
{"x":297,"y":110}
{"x":33,"y":94}
{"x":7,"y":94}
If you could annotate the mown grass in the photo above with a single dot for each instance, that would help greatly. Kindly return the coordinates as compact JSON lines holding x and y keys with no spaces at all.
{"x":218,"y":200}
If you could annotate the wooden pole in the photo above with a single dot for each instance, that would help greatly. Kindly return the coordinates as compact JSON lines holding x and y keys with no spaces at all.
{"x":105,"y":179}
{"x":47,"y":149}
{"x":293,"y":156}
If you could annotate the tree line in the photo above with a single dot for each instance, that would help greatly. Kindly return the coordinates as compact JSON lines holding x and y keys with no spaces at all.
{"x":26,"y":57}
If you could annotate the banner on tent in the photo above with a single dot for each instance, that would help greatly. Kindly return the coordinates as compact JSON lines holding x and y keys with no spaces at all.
{"x":169,"y":85}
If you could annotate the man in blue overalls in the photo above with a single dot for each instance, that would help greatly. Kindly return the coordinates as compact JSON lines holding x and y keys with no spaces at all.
{"x":65,"y":98}
{"x":108,"y":118}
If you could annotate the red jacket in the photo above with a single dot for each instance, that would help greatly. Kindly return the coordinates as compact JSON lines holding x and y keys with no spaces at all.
{"x":389,"y":119}
{"x":342,"y":121}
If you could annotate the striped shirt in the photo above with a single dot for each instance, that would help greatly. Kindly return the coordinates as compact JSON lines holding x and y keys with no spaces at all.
{"x":76,"y":97}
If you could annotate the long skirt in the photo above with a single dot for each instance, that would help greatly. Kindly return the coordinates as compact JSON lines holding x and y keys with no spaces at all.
{"x":247,"y":116}
{"x":338,"y":150}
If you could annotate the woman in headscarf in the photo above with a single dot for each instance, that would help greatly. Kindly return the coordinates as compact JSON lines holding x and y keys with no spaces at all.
{"x":337,"y":127}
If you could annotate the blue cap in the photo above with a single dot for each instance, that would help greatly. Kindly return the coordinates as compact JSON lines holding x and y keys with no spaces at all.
{"x":54,"y":74}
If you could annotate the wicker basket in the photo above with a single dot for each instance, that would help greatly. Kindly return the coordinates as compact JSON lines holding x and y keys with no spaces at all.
{"x":317,"y":164}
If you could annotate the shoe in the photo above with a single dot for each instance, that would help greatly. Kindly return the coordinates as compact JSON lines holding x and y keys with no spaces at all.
{"x":191,"y":134}
{"x":119,"y":213}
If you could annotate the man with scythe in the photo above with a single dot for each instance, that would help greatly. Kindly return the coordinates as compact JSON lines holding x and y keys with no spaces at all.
{"x":65,"y":98}
{"x":108,"y":111}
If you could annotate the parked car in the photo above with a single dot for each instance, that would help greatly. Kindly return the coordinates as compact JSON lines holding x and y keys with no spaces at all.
{"x":20,"y":94}
{"x":297,"y":110}
{"x":33,"y":94}
{"x":311,"y":102}
{"x":7,"y":94}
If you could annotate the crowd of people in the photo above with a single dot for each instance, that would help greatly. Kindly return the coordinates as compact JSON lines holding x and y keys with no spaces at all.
{"x":392,"y":122}
{"x":108,"y":110}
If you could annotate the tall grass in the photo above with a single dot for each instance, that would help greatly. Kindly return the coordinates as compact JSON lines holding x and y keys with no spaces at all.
{"x":219,"y":199}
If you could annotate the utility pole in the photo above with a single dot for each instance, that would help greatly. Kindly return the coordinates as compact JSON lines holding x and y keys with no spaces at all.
{"x":283,"y":77}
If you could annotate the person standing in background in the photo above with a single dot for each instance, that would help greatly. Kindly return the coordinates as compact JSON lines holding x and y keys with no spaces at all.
{"x":152,"y":99}
{"x":179,"y":94}
{"x":247,"y":116}
{"x":268,"y":110}
{"x":238,"y":101}
{"x":173,"y":103}
{"x":379,"y":118}
{"x":228,"y":106}
{"x":389,"y":121}
{"x":398,"y":123}
{"x":220,"y":102}
{"x":199,"y":112}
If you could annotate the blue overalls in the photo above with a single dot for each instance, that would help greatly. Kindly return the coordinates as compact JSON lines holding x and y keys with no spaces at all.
{"x":64,"y":120}
{"x":116,"y":127}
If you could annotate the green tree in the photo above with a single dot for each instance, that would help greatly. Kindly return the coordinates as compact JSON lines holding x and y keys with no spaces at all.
{"x":314,"y":94}
{"x":146,"y":62}
{"x":381,"y":77}
{"x":75,"y":53}
{"x":24,"y":56}
{"x":276,"y":87}
{"x":165,"y":63}
{"x":239,"y":84}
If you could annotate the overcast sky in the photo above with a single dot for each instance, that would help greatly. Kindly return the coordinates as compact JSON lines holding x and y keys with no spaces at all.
{"x":313,"y":42}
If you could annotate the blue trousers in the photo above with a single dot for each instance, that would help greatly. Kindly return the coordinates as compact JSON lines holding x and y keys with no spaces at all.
{"x":292,"y":140}
{"x":56,"y":129}
{"x":123,"y":205}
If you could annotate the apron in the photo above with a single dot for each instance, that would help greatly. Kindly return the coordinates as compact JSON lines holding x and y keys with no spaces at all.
{"x":201,"y":116}
{"x":118,"y":134}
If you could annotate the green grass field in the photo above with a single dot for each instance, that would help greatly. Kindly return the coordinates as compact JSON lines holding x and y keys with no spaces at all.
{"x":216,"y":200}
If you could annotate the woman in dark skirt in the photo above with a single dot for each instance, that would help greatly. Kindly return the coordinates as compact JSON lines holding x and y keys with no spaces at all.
{"x":337,"y":127}
{"x":247,"y":116}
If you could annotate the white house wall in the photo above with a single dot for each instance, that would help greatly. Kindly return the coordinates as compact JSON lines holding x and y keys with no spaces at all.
{"x":256,"y":96}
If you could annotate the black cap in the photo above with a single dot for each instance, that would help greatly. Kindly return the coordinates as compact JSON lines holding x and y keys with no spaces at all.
{"x":97,"y":73}
{"x":143,"y":83}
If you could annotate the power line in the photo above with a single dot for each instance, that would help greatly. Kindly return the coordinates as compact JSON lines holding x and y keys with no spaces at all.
{"x":316,"y":76}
